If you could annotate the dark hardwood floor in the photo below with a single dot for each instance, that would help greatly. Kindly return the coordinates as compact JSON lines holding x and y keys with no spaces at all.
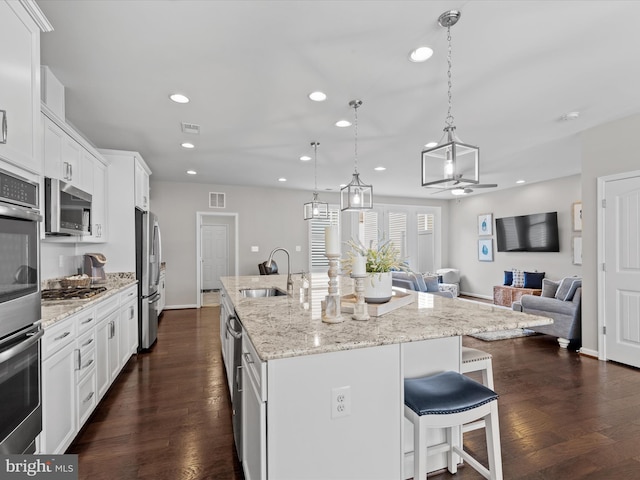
{"x":562,"y":415}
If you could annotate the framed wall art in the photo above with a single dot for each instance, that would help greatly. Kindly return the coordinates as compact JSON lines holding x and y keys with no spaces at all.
{"x":577,"y":216}
{"x":485,"y":224}
{"x":485,"y":250}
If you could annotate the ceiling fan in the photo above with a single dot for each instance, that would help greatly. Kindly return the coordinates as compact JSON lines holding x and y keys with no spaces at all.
{"x":465,"y":188}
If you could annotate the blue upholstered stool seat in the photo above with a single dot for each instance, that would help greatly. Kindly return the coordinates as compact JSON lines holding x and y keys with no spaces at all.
{"x":448,"y":401}
{"x":445,"y":393}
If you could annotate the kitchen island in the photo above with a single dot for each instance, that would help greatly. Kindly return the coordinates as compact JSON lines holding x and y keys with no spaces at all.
{"x":332,"y":394}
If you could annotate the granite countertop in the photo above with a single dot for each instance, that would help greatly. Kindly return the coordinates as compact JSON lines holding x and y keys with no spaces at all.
{"x":281,"y":327}
{"x":55,"y":310}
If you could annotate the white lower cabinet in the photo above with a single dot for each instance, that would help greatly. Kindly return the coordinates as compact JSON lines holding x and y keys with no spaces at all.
{"x":254,"y":413}
{"x":81,"y":357}
{"x":59,"y":421}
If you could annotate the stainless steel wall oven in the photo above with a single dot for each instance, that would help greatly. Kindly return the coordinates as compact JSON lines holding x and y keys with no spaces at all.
{"x":20,"y":330}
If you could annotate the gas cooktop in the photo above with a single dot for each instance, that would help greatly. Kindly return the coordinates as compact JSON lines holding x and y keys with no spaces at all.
{"x":76,"y":293}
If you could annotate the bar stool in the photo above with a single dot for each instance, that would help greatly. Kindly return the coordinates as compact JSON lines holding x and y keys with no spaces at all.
{"x":449,"y":400}
{"x":474,"y":360}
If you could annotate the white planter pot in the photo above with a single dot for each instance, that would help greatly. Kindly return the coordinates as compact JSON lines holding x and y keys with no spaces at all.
{"x":377,"y":287}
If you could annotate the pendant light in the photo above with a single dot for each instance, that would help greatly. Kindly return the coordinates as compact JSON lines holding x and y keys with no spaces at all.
{"x":450,"y":163}
{"x":315,"y":208}
{"x":356,"y":195}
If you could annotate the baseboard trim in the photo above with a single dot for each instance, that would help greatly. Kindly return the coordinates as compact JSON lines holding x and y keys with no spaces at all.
{"x":477,"y":295}
{"x":589,"y":353}
{"x":180,"y":307}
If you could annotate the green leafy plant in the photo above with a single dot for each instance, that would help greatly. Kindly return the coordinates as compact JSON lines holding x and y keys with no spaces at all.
{"x":381,"y":257}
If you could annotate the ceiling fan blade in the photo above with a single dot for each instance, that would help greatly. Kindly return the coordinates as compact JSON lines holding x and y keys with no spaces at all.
{"x":484,"y":185}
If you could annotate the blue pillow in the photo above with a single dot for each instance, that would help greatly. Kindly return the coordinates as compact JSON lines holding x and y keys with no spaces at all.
{"x":508,"y":277}
{"x":419,"y":282}
{"x":431,"y":283}
{"x":568,"y":287}
{"x":549,"y":288}
{"x":572,"y":291}
{"x":533,"y":279}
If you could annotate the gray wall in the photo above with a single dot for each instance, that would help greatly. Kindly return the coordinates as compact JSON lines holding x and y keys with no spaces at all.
{"x":478,"y":278}
{"x":267,"y":218}
{"x":607,"y":149}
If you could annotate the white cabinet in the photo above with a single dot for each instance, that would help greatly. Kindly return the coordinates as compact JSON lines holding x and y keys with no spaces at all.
{"x":107,"y":331}
{"x":64,"y":157}
{"x":98,"y":204}
{"x":20,"y":85}
{"x":142,"y":185}
{"x":254,"y":413}
{"x":128,"y":323}
{"x":121,"y":182}
{"x":59,"y":421}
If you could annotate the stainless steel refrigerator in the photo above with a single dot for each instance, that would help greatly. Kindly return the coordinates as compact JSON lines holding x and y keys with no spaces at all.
{"x":148,"y":258}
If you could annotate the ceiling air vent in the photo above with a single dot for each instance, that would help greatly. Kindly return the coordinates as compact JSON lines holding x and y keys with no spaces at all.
{"x":217,"y":200}
{"x":191,"y":128}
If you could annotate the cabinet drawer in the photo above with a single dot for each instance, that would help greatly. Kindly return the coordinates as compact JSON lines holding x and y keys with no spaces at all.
{"x":87,"y":397}
{"x":85,"y":363}
{"x":106,"y":307}
{"x":86,"y":321}
{"x":57,"y":336}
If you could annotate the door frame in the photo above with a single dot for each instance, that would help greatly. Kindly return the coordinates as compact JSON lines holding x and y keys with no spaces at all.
{"x":200,"y":216}
{"x":601,"y":278}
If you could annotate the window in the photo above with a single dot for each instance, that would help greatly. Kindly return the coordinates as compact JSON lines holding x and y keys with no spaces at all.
{"x":398,"y":232}
{"x":317,"y":259}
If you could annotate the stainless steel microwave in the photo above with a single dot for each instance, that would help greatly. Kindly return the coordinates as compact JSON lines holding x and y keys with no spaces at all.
{"x":67,"y":209}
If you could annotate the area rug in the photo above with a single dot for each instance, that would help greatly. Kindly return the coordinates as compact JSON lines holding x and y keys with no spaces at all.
{"x":503,"y":334}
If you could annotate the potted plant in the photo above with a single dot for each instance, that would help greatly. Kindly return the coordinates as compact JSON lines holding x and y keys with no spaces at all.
{"x":380,"y":260}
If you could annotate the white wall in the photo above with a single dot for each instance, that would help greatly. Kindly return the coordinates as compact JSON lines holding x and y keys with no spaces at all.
{"x":58,"y":260}
{"x":478,"y":278}
{"x":607,"y":149}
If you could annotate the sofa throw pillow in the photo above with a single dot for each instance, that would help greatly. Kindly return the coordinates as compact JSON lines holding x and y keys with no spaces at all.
{"x":577,"y":282}
{"x":419,"y":282}
{"x":549,"y":288}
{"x":508,"y":277}
{"x":565,"y":288}
{"x":518,"y":278}
{"x":533,"y":279}
{"x":431,"y":282}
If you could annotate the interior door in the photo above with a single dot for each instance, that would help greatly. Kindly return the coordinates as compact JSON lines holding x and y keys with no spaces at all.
{"x":622,"y":272}
{"x":214,"y":255}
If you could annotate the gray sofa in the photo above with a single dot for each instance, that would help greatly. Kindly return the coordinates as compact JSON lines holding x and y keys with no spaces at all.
{"x":566,"y":314}
{"x":416,"y":282}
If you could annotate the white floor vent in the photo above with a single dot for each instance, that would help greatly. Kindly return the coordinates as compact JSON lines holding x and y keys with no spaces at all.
{"x":217,"y":200}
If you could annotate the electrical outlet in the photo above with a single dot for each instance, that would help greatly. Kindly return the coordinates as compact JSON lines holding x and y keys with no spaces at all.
{"x":298,"y":248}
{"x":255,"y":249}
{"x":340,"y":402}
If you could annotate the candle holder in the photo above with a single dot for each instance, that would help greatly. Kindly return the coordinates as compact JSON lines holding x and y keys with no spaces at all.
{"x":332,"y":312}
{"x":360,"y":309}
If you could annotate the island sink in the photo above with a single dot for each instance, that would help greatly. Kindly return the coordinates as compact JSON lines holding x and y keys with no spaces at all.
{"x":262,"y":292}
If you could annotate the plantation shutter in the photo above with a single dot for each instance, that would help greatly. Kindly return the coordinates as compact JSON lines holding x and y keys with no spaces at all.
{"x":370,"y":228}
{"x":425,"y":223}
{"x":319,"y":262}
{"x":398,"y":232}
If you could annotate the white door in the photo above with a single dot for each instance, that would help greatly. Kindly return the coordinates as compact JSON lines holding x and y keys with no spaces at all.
{"x":214,"y":255}
{"x":622,"y":272}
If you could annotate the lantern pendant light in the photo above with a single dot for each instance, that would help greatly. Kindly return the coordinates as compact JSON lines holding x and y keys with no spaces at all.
{"x":356,"y":195}
{"x":451,"y":163}
{"x":315,"y":208}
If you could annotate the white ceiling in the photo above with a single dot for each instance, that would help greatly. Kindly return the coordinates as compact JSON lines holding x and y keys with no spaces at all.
{"x":248,"y":67}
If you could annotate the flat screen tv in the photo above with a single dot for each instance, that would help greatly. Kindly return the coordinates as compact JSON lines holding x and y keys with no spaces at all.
{"x":528,"y":233}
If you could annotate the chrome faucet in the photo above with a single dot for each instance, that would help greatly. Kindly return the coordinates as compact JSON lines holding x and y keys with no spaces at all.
{"x":289,"y":281}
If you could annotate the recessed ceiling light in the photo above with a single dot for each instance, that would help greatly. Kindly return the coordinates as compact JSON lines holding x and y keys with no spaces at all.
{"x":179,"y":98}
{"x":305,"y":158}
{"x":431,"y":144}
{"x":520,"y":181}
{"x":187,"y":145}
{"x":570,"y":116}
{"x":282,"y":179}
{"x":191,"y":172}
{"x":318,"y":96}
{"x":380,"y":169}
{"x":421,"y":54}
{"x":343,"y":123}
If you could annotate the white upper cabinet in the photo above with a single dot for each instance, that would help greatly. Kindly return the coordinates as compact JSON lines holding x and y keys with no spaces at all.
{"x":142,"y":184}
{"x":20,"y":26}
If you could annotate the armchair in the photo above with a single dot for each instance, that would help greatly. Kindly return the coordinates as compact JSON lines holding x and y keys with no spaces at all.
{"x":566,"y":314}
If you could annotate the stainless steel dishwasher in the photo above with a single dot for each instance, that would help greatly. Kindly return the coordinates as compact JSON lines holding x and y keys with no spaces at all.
{"x":234,"y":359}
